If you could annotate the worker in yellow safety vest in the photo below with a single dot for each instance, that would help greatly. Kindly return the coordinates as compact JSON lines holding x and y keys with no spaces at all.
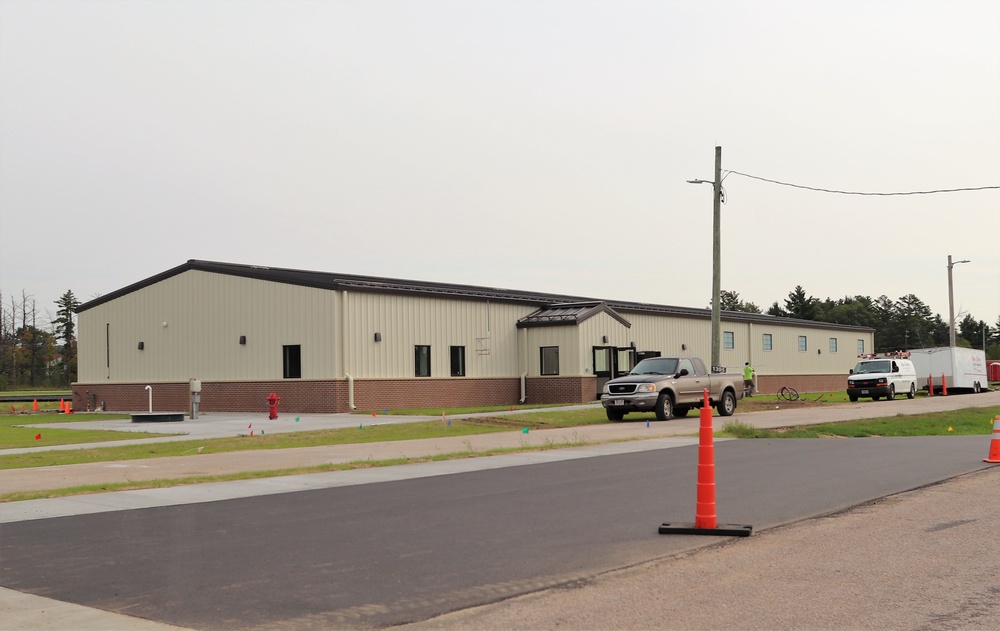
{"x":748,"y":373}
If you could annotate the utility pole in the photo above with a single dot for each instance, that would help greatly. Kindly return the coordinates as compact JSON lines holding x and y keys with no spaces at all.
{"x":951,"y":303}
{"x":717,"y":261}
{"x":716,"y":256}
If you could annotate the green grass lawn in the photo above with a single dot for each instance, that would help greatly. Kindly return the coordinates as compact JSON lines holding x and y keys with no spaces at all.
{"x":955,"y":423}
{"x":13,"y":437}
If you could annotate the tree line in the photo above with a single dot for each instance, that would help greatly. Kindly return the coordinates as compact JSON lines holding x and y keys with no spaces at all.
{"x":37,"y":350}
{"x":899,"y":324}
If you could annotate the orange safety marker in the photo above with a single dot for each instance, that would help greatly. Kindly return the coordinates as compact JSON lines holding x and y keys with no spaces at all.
{"x":930,"y":385}
{"x":995,"y":443}
{"x":62,"y":405}
{"x":34,"y":407}
{"x":944,"y":386}
{"x":705,"y":520}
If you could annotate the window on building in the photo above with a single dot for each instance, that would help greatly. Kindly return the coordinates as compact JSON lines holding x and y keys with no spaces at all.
{"x":861,"y":347}
{"x":457,"y":361}
{"x":728,"y":340}
{"x":833,"y":345}
{"x":768,"y":342}
{"x":291,"y":360}
{"x":550,"y":360}
{"x":421,"y":361}
{"x":803,"y":346}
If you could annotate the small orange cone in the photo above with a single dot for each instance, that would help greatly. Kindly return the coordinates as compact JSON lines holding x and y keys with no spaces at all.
{"x":34,"y":407}
{"x":995,"y":443}
{"x":62,"y":405}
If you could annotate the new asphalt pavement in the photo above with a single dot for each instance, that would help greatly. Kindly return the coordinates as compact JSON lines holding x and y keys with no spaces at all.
{"x":942,"y":515}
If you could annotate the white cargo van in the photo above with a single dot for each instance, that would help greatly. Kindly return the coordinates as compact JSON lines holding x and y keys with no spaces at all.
{"x":884,"y":376}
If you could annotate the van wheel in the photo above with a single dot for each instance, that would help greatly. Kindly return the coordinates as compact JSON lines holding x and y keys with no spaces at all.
{"x":664,"y":407}
{"x":727,"y":405}
{"x":913,"y":391}
{"x":892,"y":392}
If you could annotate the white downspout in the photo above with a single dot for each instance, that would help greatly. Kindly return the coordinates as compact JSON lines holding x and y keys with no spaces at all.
{"x":350,"y":391}
{"x":149,"y":389}
{"x":524,"y":359}
{"x":343,"y":350}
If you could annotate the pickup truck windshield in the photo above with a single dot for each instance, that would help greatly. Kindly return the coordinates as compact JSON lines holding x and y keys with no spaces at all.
{"x":870,"y":367}
{"x":656,"y":366}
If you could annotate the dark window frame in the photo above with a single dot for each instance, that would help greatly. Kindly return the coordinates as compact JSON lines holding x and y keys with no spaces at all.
{"x":544,"y":368}
{"x":459,"y":370}
{"x":291,"y":361}
{"x":728,"y":340}
{"x":417,"y":348}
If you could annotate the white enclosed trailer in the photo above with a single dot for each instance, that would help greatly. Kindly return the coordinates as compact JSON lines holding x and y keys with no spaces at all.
{"x":960,"y":369}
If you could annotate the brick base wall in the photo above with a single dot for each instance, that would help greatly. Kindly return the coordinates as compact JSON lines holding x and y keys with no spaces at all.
{"x":317,"y":397}
{"x":326,"y":397}
{"x":561,"y":389}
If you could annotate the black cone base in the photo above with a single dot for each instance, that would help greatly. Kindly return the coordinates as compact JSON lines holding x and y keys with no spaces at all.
{"x":721,"y":530}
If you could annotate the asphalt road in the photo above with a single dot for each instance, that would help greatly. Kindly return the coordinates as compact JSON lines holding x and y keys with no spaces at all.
{"x":389,"y":553}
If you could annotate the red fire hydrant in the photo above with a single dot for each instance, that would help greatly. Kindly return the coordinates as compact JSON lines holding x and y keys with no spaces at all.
{"x":272,"y":406}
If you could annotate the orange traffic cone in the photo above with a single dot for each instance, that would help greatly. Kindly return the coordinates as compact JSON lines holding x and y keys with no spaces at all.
{"x":62,"y":405}
{"x":995,"y":443}
{"x":34,"y":407}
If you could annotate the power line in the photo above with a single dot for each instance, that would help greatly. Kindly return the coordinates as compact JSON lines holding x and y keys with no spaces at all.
{"x":827,"y":190}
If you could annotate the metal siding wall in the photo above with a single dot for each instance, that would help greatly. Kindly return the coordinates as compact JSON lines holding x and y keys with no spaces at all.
{"x":666,"y":334}
{"x":406,"y":321}
{"x":205,"y":315}
{"x":786,"y":359}
{"x":565,"y":337}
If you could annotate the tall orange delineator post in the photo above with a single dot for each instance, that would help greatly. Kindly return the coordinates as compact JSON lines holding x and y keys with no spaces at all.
{"x":995,"y":443}
{"x":944,"y":386}
{"x":705,"y":521}
{"x":930,"y":385}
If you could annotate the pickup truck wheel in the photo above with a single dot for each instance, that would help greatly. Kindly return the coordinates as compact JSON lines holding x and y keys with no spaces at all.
{"x":876,"y":397}
{"x":664,"y":407}
{"x":913,"y":391}
{"x":853,"y":398}
{"x":892,"y":392}
{"x":681,"y":411}
{"x":615,"y":415}
{"x":727,"y":405}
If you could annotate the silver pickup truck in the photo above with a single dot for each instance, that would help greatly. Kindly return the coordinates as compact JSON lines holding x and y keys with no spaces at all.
{"x":670,"y":386}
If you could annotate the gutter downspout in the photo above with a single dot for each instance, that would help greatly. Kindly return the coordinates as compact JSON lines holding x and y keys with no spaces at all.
{"x":524,"y":358}
{"x":343,"y":350}
{"x":350,"y":391}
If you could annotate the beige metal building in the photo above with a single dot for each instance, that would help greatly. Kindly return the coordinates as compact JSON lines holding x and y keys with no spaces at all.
{"x":328,"y":342}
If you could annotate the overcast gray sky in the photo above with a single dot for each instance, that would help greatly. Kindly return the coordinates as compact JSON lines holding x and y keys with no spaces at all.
{"x":528,"y":145}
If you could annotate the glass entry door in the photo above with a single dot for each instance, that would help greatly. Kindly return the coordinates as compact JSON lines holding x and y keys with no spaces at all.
{"x":611,"y":362}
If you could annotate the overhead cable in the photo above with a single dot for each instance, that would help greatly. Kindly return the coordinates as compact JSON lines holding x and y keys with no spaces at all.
{"x":827,"y":190}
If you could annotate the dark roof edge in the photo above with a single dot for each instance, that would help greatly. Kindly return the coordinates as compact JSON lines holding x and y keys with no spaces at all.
{"x":328,"y":280}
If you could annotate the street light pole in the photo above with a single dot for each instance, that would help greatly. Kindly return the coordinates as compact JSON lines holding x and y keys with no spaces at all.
{"x":951,"y":303}
{"x":716,"y":256}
